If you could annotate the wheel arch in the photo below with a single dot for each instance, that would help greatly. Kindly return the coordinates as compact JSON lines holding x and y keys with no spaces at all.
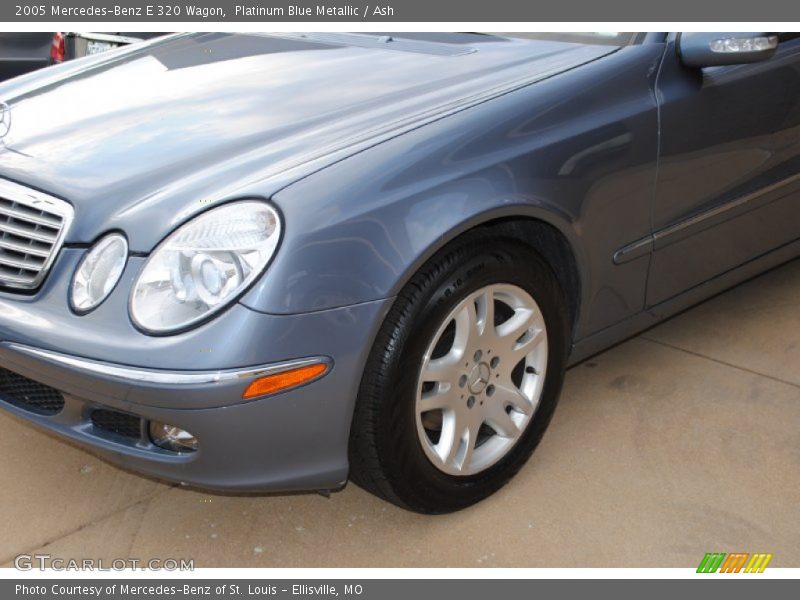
{"x":553,"y":246}
{"x":557,"y":250}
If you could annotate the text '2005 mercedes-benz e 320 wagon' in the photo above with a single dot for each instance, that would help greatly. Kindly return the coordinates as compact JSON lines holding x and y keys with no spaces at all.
{"x":269,"y":262}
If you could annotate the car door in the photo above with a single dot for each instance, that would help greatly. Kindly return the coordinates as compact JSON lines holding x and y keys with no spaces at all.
{"x":728,"y":186}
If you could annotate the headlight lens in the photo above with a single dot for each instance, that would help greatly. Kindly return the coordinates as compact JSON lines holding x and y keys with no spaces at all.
{"x":98,"y":273}
{"x":204,"y":265}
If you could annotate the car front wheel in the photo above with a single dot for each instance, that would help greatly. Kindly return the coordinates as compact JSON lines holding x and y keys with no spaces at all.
{"x":463,"y":378}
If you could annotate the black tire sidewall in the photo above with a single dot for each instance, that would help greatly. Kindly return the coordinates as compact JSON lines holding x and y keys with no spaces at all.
{"x":413,"y":477}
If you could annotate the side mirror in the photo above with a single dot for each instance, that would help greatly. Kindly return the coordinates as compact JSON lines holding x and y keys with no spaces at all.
{"x":716,"y":49}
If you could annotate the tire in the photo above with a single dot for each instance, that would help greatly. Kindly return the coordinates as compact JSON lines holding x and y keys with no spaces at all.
{"x":395,"y":450}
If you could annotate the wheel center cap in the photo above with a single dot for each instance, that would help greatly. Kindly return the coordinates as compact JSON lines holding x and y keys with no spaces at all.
{"x":478,"y":378}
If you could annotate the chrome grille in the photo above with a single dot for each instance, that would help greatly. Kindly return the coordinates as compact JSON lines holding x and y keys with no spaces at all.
{"x":32,"y":229}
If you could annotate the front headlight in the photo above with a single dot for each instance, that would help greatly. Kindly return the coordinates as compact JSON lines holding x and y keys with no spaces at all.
{"x":204,"y":266}
{"x":98,"y":273}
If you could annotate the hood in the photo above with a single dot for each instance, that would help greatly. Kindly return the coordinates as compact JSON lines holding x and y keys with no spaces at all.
{"x":156,"y":133}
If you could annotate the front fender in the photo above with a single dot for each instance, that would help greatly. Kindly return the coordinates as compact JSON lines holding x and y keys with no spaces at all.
{"x":584,"y":163}
{"x":365,"y":244}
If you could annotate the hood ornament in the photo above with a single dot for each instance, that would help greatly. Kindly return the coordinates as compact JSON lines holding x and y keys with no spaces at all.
{"x":5,"y":120}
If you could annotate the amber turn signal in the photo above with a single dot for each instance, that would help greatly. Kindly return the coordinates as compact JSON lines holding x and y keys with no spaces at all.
{"x":284,"y":380}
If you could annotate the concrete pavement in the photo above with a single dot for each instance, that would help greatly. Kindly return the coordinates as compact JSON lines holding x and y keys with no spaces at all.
{"x":682,"y":441}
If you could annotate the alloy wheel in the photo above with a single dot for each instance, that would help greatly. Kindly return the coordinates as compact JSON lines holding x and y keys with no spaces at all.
{"x":481,"y":379}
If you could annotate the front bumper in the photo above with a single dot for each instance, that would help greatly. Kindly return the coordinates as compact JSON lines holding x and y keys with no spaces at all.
{"x":291,"y":441}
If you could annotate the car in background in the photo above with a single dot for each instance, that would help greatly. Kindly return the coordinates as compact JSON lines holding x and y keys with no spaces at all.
{"x":22,"y":52}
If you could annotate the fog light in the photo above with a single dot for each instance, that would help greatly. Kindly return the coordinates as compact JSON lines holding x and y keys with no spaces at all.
{"x":172,"y":438}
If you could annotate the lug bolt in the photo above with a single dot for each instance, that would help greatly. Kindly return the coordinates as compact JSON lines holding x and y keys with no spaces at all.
{"x":495,"y":362}
{"x":470,"y":401}
{"x":462,"y":381}
{"x":490,"y":390}
{"x":477,"y":356}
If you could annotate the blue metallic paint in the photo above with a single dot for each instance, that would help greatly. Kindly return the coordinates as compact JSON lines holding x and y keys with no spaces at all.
{"x":582,"y":163}
{"x":728,"y":187}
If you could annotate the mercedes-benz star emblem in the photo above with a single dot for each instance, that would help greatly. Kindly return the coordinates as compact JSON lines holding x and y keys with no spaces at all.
{"x":5,"y":119}
{"x":478,"y":378}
